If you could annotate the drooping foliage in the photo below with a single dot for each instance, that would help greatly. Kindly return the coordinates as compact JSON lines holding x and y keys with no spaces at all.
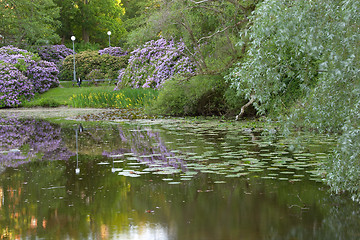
{"x":152,"y":64}
{"x":303,"y":62}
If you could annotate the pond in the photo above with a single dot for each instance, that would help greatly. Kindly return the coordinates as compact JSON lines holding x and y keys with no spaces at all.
{"x":165,"y":180}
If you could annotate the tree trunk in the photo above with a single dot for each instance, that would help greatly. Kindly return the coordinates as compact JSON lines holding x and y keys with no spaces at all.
{"x":85,"y":35}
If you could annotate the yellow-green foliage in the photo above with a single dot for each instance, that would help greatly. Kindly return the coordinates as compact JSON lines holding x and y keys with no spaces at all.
{"x":125,"y":98}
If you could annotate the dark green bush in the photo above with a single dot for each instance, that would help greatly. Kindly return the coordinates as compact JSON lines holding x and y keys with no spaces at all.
{"x":199,"y":95}
{"x":86,"y":61}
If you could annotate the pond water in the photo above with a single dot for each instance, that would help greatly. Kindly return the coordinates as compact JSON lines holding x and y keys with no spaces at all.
{"x":166,"y":181}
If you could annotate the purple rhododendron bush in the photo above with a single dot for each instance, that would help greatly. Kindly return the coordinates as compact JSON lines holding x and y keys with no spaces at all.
{"x":14,"y":86}
{"x":155,"y":62}
{"x":54,"y":53}
{"x":22,"y":74}
{"x":113,"y":51}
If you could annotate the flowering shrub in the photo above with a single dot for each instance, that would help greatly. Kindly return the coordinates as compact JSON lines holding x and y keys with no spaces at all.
{"x":42,"y":74}
{"x":54,"y":53}
{"x":86,"y":61}
{"x":14,"y":86}
{"x":113,"y":51}
{"x":155,"y":62}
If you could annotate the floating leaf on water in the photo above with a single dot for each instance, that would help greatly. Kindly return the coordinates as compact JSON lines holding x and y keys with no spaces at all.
{"x":174,"y":183}
{"x":236,"y":175}
{"x":167,"y":179}
{"x":135,"y":163}
{"x":128,"y":154}
{"x":128,"y":174}
{"x":116,"y":169}
{"x":255,"y":170}
{"x":268,"y":177}
{"x":185,"y":179}
{"x":265,"y":155}
{"x":118,"y":161}
{"x":295,"y":180}
{"x":103,"y":163}
{"x":317,"y":180}
{"x":219,"y":182}
{"x":273,"y":168}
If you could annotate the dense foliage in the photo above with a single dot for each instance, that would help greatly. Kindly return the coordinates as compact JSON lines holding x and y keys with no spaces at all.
{"x":53,"y":53}
{"x":90,"y":20}
{"x":303,"y":62}
{"x":29,"y":22}
{"x":152,"y":64}
{"x":87,"y":61}
{"x":199,"y":95}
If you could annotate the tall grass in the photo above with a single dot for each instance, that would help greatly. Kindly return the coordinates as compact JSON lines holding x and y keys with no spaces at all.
{"x":105,"y":98}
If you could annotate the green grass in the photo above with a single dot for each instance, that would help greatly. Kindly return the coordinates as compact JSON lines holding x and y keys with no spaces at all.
{"x":93,"y":97}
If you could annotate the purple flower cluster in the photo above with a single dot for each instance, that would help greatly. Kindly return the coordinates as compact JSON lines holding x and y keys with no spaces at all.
{"x":14,"y":86}
{"x":33,"y":75}
{"x":113,"y":51}
{"x":44,"y":75}
{"x":53,"y":53}
{"x":22,"y":141}
{"x":155,"y":62}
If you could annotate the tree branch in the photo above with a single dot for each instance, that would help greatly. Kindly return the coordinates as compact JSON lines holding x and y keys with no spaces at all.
{"x":252,"y":99}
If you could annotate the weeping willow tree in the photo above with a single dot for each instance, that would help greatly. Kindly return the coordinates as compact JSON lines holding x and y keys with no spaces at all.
{"x":303,"y":67}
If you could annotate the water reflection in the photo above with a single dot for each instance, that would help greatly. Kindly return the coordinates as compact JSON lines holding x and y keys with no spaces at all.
{"x":23,"y":141}
{"x":52,"y":200}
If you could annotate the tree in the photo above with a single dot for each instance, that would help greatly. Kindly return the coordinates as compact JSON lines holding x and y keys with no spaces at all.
{"x":95,"y":18}
{"x":303,"y":66}
{"x":208,"y":28}
{"x":29,"y":22}
{"x":67,"y":17}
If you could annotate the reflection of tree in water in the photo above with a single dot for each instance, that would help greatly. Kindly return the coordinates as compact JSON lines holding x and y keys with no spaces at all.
{"x":148,"y":147}
{"x":24,"y":140}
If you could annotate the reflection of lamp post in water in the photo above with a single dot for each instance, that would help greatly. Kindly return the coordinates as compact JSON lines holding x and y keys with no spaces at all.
{"x":78,"y":130}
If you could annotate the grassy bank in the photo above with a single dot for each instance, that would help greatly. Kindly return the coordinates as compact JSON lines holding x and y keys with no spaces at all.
{"x":93,"y":97}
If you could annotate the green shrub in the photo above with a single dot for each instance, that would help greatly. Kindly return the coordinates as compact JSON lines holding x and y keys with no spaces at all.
{"x":86,"y":61}
{"x":199,"y":95}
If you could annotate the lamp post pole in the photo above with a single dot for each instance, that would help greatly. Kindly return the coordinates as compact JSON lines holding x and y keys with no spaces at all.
{"x":73,"y":40}
{"x":109,"y":33}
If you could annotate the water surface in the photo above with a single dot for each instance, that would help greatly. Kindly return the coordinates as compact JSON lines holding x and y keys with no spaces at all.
{"x":170,"y":180}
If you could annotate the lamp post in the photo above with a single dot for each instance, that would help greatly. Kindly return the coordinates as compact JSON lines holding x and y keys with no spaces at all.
{"x":73,"y":40}
{"x":109,"y":33}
